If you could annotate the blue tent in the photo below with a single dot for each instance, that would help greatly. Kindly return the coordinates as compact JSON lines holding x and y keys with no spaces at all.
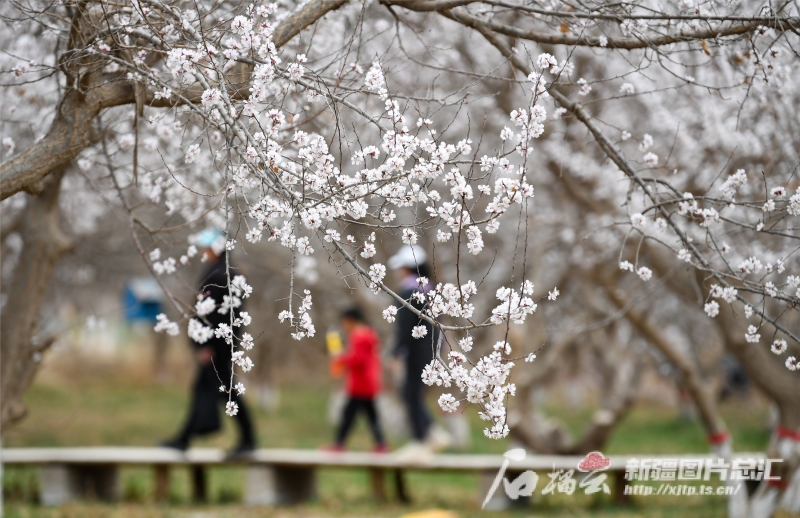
{"x":142,"y":299}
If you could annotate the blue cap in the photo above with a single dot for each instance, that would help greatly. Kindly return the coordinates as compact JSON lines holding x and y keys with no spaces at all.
{"x":208,"y":237}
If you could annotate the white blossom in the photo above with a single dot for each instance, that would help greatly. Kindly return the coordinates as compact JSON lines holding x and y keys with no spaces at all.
{"x":390,"y":313}
{"x":163,"y":325}
{"x":779,"y":347}
{"x":231,"y":408}
{"x":205,"y":306}
{"x":369,"y":250}
{"x":448,"y":403}
{"x":419,"y":331}
{"x":752,"y":335}
{"x":711,"y":308}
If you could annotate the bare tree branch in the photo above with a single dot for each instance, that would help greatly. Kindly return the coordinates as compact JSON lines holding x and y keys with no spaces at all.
{"x":302,"y":18}
{"x":731,"y":29}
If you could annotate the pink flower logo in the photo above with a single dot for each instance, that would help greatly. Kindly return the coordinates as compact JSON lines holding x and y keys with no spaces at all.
{"x":593,"y":462}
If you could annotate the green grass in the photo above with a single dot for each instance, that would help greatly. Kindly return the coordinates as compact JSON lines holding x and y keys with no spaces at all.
{"x":138,"y":414}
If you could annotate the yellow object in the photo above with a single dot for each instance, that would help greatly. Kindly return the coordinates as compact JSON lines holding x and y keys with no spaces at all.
{"x":431,"y":513}
{"x":334,"y":342}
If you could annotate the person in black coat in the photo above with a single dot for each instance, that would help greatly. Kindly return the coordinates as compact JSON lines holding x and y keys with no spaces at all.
{"x":214,"y":359}
{"x":413,"y":353}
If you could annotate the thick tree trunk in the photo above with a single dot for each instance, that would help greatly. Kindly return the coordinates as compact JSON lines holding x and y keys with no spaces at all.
{"x":69,"y":134}
{"x":543,"y":435}
{"x":538,"y":433}
{"x":700,"y":391}
{"x":87,"y":96}
{"x":770,"y":375}
{"x":20,"y":347}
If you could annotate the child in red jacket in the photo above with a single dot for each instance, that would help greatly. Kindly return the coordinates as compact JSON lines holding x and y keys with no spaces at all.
{"x":362,"y":362}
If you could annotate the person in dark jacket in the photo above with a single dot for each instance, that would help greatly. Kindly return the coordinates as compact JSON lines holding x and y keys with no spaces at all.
{"x":362,"y":363}
{"x":413,"y":353}
{"x":214,"y":358}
